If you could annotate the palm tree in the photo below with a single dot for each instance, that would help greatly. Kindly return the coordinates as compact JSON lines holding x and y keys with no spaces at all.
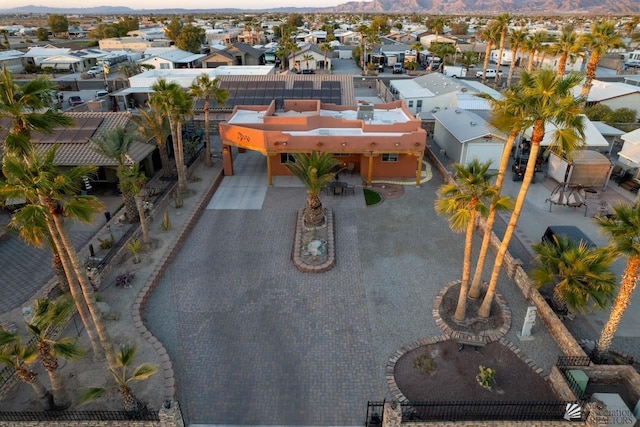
{"x":541,"y":98}
{"x":468,"y":59}
{"x":567,"y":47}
{"x":51,"y":196}
{"x":461,"y":203}
{"x":154,"y":125}
{"x":315,"y":170}
{"x":516,"y":39}
{"x":325,"y":48}
{"x":533,"y":45}
{"x":49,"y":315}
{"x":502,"y":22}
{"x":132,"y":404}
{"x":490,"y":35}
{"x":603,"y":37}
{"x":115,"y":145}
{"x":18,"y":356}
{"x":173,"y":102}
{"x":207,"y":89}
{"x":24,"y":105}
{"x":623,"y":230}
{"x":436,"y":25}
{"x":505,"y":116}
{"x":630,"y":28}
{"x":442,"y":50}
{"x":133,"y":182}
{"x":580,"y":274}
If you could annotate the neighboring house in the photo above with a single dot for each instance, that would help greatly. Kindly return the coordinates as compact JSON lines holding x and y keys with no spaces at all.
{"x":245,"y":54}
{"x":630,"y":153}
{"x":74,"y":148}
{"x":149,"y":34}
{"x":507,"y":56}
{"x":375,"y":141}
{"x":392,"y":53}
{"x":173,"y":59}
{"x":430,"y":38}
{"x":593,"y":139}
{"x":432,"y":92}
{"x":463,"y":135}
{"x":348,"y":37}
{"x":69,"y":63}
{"x":131,"y":44}
{"x":298,"y":61}
{"x":12,"y":60}
{"x":613,"y":94}
{"x":35,"y":55}
{"x":218,"y":58}
{"x":343,"y":51}
{"x":401,"y":37}
{"x":612,"y":135}
{"x":315,"y":37}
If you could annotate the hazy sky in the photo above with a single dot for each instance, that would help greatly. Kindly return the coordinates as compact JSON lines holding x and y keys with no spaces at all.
{"x":186,"y":4}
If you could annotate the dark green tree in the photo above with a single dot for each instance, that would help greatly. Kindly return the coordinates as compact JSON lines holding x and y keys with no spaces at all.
{"x":42,"y":34}
{"x":59,"y":24}
{"x":191,"y":38}
{"x":173,"y":28}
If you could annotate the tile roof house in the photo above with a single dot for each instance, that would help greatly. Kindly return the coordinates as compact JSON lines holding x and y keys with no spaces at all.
{"x":245,"y":54}
{"x":171,"y":58}
{"x":298,"y":61}
{"x":75,"y":148}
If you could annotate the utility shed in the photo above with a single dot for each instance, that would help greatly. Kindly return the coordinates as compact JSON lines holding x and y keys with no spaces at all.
{"x":588,"y":168}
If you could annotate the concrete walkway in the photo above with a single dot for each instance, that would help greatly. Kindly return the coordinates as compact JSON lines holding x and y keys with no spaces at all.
{"x":254,"y":341}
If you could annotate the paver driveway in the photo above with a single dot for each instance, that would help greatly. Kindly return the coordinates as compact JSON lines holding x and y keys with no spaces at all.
{"x":255,"y":341}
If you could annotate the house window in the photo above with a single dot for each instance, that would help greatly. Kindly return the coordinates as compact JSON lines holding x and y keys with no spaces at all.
{"x":341,"y":154}
{"x":390,"y":157}
{"x":286,"y":157}
{"x":410,"y":104}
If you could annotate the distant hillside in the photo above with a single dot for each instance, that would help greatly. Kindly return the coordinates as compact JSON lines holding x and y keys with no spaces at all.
{"x":492,"y":6}
{"x":592,"y":7}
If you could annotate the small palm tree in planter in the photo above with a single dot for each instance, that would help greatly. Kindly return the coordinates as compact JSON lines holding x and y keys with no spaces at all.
{"x":315,"y":170}
{"x":131,"y":403}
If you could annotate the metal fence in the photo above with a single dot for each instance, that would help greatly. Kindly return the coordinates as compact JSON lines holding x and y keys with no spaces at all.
{"x":374,"y":414}
{"x":77,"y":416}
{"x":565,"y":364}
{"x":483,"y":411}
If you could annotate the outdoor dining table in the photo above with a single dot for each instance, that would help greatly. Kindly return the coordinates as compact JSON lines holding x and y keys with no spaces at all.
{"x":337,"y":187}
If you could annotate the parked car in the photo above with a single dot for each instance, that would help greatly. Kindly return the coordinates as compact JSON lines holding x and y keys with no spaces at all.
{"x":101,"y":93}
{"x":491,"y":73}
{"x":95,"y":70}
{"x":75,"y":100}
{"x":308,"y":71}
{"x":397,"y":68}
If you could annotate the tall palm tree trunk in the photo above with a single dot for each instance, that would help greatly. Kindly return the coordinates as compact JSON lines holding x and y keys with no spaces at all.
{"x":474,"y":291}
{"x":562,"y":65}
{"x":143,"y":220}
{"x":538,"y":132}
{"x":622,"y":301}
{"x":87,"y":291}
{"x":58,"y":270}
{"x":182,"y":178}
{"x":207,"y":140}
{"x":164,"y":160}
{"x":512,"y":66}
{"x":76,"y":293}
{"x":485,"y":65}
{"x":58,"y":390}
{"x":590,"y":75}
{"x":461,"y":309}
{"x":130,"y":209}
{"x":532,"y":54}
{"x":29,"y":377}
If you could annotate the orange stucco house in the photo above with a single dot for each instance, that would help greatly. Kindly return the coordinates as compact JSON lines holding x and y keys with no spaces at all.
{"x":376,"y":141}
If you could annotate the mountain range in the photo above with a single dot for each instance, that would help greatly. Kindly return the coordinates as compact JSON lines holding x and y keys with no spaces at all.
{"x":538,"y":7}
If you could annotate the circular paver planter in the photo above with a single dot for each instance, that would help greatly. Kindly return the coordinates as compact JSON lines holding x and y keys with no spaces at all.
{"x":455,"y":331}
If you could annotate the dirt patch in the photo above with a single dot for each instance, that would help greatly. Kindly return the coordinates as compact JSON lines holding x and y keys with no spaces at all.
{"x":473,"y":324}
{"x":454,"y":375}
{"x":388,"y":191}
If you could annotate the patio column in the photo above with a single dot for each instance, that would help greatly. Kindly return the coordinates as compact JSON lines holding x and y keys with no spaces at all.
{"x":370,"y":171}
{"x":227,"y":160}
{"x":418,"y":167}
{"x":269,"y":177}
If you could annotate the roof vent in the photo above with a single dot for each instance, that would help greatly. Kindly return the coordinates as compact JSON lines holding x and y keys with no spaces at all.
{"x":473,"y":123}
{"x":458,"y":111}
{"x":365,"y":112}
